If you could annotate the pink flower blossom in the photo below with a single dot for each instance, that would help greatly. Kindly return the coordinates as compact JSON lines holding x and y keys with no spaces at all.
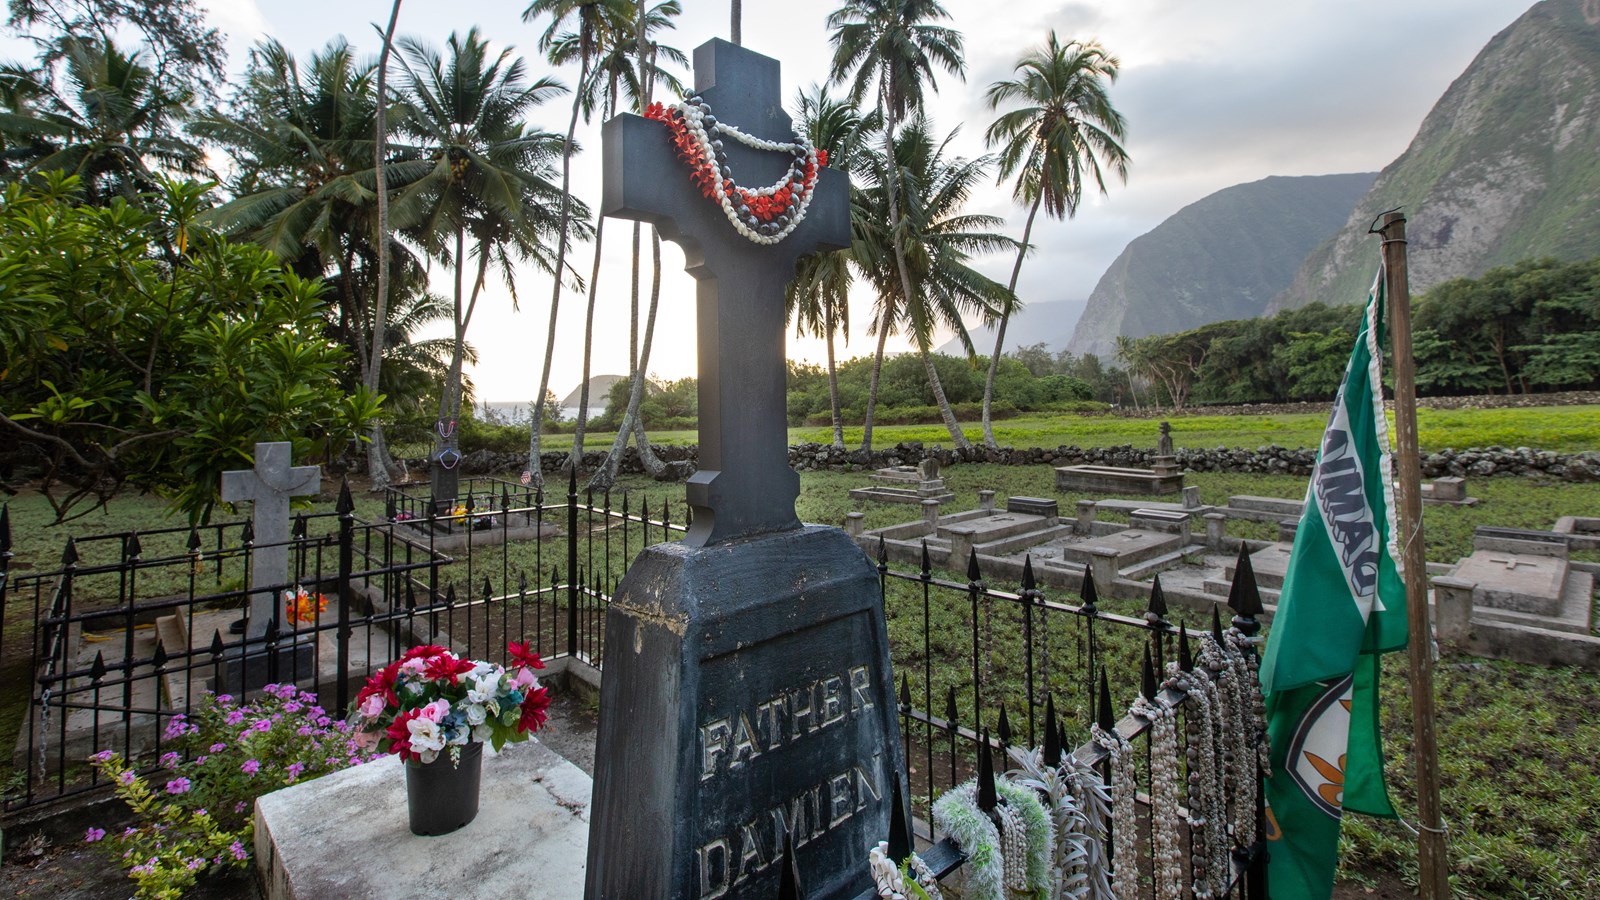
{"x":218,"y":747}
{"x":93,"y":834}
{"x":125,"y":779}
{"x":436,"y":711}
{"x":237,"y":849}
{"x":169,"y":759}
{"x":179,"y":785}
{"x":234,"y":717}
{"x":250,"y":767}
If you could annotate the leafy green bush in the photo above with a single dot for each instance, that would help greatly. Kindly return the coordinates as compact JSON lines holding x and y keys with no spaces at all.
{"x":141,"y":349}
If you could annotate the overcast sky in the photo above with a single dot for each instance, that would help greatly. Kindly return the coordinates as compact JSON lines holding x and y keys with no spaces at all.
{"x":1215,"y":94}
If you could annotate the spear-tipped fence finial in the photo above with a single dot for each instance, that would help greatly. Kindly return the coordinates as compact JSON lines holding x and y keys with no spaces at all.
{"x":1216,"y":624}
{"x":1244,"y":596}
{"x":69,"y":553}
{"x":1156,"y":612}
{"x":988,"y":794}
{"x":1185,"y":655}
{"x":899,"y":825}
{"x":1003,"y":729}
{"x":1029,"y":582}
{"x":974,"y":574}
{"x":1091,"y":596}
{"x":1104,"y":716}
{"x":346,"y":504}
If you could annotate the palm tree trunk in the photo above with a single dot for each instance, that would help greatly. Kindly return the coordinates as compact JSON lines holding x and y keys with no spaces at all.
{"x":872,"y":387}
{"x":450,"y":394}
{"x":631,"y":424}
{"x":943,"y":402}
{"x":378,"y":461}
{"x":1000,"y":333}
{"x":575,"y":460}
{"x":833,"y":377}
{"x":535,"y":467}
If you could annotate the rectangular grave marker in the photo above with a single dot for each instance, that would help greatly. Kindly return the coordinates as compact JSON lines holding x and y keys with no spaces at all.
{"x":747,"y":689}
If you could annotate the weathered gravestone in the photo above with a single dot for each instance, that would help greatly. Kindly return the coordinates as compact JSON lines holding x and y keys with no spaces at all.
{"x":747,"y":691}
{"x":269,"y":487}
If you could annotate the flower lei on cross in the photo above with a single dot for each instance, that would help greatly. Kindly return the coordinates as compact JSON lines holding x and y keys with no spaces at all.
{"x":764,"y":215}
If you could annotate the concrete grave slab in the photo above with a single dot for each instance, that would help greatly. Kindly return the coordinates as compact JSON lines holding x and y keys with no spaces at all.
{"x":1520,"y":582}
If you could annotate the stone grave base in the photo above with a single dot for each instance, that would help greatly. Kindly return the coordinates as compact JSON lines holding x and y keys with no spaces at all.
{"x":346,"y":835}
{"x":519,"y":527}
{"x":899,"y":495}
{"x":1115,"y":480}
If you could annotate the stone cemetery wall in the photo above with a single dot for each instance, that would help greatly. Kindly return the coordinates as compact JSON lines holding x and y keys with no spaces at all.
{"x":1320,"y":407}
{"x":682,"y":461}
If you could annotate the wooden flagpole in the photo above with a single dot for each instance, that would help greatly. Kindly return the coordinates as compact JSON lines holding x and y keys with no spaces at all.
{"x":1432,"y":856}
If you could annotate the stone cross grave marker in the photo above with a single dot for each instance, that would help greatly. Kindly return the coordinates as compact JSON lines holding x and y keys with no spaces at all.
{"x":269,"y":487}
{"x":748,"y":693}
{"x":1508,"y":563}
{"x":744,"y":484}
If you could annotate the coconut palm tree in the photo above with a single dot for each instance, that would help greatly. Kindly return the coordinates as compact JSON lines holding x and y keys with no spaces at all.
{"x":490,"y":178}
{"x":620,"y":71}
{"x":818,"y":299}
{"x":378,"y":460}
{"x":893,"y":45}
{"x":303,"y":181}
{"x":935,"y":241}
{"x":592,"y":18}
{"x":109,"y":122}
{"x":1063,"y":132}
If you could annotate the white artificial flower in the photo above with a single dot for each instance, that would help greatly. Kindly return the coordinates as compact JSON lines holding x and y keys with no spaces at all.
{"x":475,"y":714}
{"x":426,"y":737}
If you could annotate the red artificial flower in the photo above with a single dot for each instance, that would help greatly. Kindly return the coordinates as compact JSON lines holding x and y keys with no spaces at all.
{"x":523,"y":655}
{"x":446,"y":667}
{"x":400,"y":736}
{"x":381,"y":682}
{"x":534,"y":713}
{"x":822,"y":157}
{"x":424,"y":651}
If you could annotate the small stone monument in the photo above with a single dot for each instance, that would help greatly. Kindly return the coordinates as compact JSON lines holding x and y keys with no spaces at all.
{"x":1166,"y":461}
{"x":747,"y":694}
{"x":269,"y":487}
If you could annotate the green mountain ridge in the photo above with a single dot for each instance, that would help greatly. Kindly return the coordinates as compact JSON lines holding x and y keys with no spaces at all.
{"x":1225,"y":256}
{"x":1506,"y":166}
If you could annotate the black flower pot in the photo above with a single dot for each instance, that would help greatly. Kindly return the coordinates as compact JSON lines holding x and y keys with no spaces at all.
{"x":442,"y":796}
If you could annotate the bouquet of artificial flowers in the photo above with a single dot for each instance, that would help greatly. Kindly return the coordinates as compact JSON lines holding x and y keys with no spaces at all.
{"x":430,"y":700}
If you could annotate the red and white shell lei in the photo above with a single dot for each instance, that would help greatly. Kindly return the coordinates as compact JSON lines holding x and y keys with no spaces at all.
{"x":765,"y":215}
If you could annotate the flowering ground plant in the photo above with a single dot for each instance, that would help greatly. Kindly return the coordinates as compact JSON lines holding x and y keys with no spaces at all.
{"x":192,"y":809}
{"x":431,"y":701}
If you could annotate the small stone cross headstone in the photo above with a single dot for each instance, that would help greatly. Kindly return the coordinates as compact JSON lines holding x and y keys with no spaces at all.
{"x":269,"y":487}
{"x":1508,"y":563}
{"x":1164,"y":443}
{"x":744,"y":484}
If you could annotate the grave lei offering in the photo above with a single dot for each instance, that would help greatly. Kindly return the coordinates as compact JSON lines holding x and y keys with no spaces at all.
{"x":1013,"y":858}
{"x":430,"y":700}
{"x":1166,"y":857}
{"x":1124,"y":824}
{"x":765,"y":215}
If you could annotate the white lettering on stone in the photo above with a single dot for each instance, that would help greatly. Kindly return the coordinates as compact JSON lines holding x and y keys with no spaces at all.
{"x":713,"y":885}
{"x":713,"y":745}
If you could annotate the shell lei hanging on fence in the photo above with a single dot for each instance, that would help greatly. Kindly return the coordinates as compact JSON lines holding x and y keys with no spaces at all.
{"x":1207,"y":808}
{"x":1242,"y":727}
{"x":1021,"y":856}
{"x":764,"y":215}
{"x":1165,"y":854}
{"x":891,"y":880}
{"x":1124,"y":823}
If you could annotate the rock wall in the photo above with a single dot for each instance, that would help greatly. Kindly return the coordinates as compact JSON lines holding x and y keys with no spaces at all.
{"x":682,"y":460}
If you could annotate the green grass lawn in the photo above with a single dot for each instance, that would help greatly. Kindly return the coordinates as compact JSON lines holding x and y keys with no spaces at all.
{"x":1567,"y":429}
{"x":1520,"y":789}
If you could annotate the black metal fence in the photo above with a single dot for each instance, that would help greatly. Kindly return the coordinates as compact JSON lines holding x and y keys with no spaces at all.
{"x":109,"y":665}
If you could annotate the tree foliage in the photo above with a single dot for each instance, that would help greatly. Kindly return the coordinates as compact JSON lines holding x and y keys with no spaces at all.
{"x":140,"y":349}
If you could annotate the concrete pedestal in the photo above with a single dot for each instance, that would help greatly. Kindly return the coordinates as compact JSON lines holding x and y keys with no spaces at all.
{"x":345,"y":835}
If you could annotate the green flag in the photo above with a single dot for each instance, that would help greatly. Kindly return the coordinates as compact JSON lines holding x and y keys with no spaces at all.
{"x":1343,"y":603}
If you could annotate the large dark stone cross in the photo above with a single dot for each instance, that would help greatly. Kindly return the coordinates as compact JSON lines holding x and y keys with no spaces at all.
{"x":744,"y":484}
{"x":748,"y":700}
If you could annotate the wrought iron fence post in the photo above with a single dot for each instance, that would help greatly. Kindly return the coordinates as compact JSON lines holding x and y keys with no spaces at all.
{"x":572,"y":561}
{"x":347,"y":535}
